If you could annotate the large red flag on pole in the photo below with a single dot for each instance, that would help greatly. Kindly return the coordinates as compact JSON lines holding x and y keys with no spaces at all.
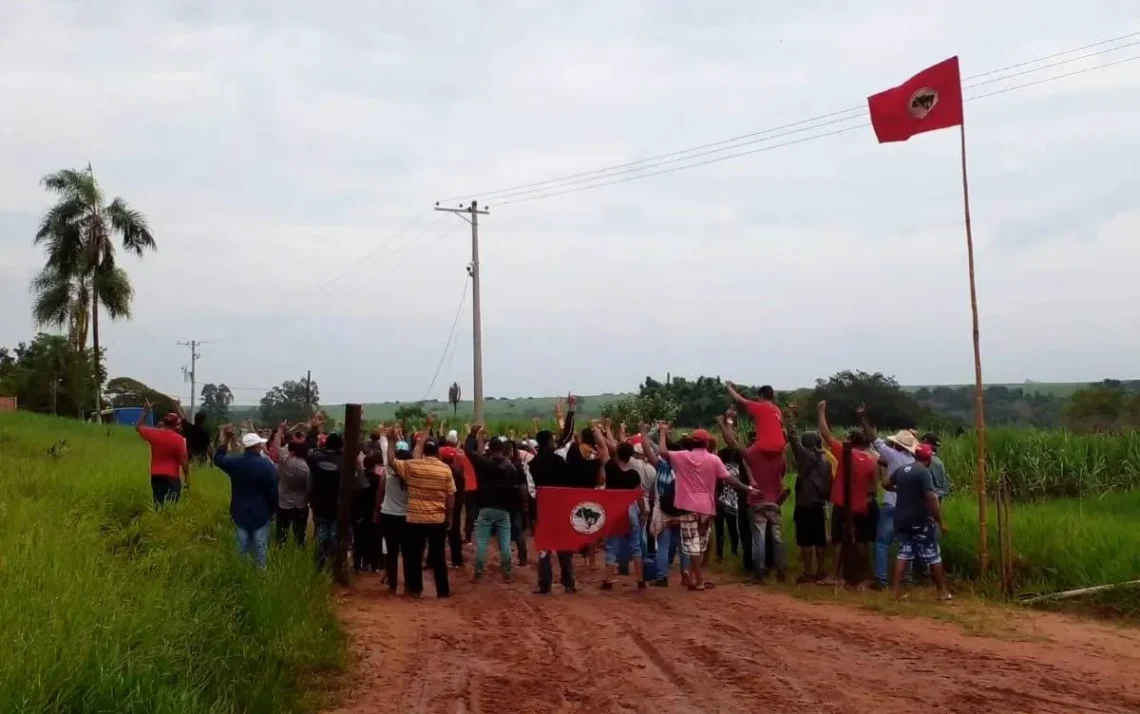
{"x":571,"y":518}
{"x":931,"y":100}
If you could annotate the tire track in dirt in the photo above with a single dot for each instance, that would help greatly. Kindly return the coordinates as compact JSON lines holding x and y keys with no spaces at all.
{"x":496,"y":648}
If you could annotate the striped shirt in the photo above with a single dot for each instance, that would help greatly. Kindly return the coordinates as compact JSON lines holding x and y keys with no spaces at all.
{"x":429,"y":484}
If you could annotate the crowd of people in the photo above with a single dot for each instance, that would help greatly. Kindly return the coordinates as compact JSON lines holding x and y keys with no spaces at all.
{"x":420,"y":496}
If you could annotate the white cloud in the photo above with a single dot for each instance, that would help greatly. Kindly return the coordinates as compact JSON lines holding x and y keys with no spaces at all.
{"x":275,"y":145}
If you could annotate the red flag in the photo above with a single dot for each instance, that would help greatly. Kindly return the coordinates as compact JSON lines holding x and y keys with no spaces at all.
{"x":930,"y":100}
{"x":570,"y":518}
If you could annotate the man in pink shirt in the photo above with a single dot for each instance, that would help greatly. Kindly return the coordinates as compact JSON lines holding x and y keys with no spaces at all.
{"x":697,"y":472}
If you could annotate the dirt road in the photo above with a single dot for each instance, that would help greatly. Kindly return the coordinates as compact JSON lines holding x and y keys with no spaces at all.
{"x":496,"y":648}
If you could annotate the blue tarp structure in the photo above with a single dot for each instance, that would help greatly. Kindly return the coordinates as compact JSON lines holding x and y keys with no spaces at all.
{"x":129,"y":416}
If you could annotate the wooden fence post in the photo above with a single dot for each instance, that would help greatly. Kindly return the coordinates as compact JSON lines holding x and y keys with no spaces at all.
{"x":349,"y":486}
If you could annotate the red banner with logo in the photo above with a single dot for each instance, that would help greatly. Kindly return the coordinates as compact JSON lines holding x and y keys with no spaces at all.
{"x":571,"y":518}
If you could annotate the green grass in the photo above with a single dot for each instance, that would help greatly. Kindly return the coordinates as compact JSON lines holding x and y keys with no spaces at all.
{"x":1059,"y":544}
{"x":110,"y":606}
{"x":1048,"y":463}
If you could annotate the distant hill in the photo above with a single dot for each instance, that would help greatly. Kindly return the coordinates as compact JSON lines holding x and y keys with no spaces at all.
{"x":590,"y":405}
{"x":1061,"y":390}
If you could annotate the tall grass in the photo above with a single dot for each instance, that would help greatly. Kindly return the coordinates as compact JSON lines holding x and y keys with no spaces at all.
{"x":1048,"y":463}
{"x":110,"y":606}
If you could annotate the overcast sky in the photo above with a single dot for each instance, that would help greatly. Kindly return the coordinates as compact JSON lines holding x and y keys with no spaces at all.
{"x":278,"y":148}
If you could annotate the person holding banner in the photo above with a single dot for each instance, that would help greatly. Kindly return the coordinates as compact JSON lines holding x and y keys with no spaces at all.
{"x":620,"y":474}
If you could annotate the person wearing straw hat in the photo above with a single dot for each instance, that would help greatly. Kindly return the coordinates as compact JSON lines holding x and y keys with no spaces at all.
{"x":895,"y":452}
{"x":253,"y":494}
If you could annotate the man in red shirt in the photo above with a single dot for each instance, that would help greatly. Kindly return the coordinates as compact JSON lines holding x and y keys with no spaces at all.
{"x":767,"y":465}
{"x":852,"y":526}
{"x":168,"y":456}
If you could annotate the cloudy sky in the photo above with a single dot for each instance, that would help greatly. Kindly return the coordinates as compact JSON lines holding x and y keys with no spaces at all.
{"x":280,"y":148}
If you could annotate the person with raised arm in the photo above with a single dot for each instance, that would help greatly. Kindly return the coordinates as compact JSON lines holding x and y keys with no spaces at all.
{"x":852,"y":524}
{"x":169,"y":458}
{"x":497,"y":496}
{"x":697,"y":473}
{"x":431,"y":501}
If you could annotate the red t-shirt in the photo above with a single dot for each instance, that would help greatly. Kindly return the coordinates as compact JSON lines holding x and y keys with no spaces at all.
{"x":469,"y":481}
{"x":863,"y":469}
{"x":769,"y":426}
{"x":167,"y":450}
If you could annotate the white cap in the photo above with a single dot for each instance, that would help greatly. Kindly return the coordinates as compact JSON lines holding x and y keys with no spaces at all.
{"x":453,"y":437}
{"x":250,"y":440}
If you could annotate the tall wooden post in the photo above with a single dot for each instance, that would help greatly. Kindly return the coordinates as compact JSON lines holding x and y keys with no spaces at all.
{"x":979,"y":394}
{"x":349,"y":486}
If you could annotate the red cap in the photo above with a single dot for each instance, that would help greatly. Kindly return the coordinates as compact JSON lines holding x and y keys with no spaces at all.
{"x":172,"y":419}
{"x":447,"y":454}
{"x":635,"y":439}
{"x":924,"y":454}
{"x":701,"y":435}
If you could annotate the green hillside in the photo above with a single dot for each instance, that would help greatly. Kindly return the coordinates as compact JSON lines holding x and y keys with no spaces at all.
{"x":1061,"y":390}
{"x":497,"y":407}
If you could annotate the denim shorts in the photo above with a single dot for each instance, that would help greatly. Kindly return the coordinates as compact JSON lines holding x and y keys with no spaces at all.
{"x":919,"y":543}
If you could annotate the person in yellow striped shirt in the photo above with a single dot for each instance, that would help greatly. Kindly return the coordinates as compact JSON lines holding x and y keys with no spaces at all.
{"x":431,"y":500}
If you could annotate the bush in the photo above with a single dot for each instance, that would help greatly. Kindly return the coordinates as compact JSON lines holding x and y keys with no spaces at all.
{"x":110,"y":606}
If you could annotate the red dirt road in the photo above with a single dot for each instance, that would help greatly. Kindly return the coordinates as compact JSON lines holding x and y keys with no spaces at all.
{"x":496,"y":648}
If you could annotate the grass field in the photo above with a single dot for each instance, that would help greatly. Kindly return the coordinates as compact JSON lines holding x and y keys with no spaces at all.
{"x":110,"y":606}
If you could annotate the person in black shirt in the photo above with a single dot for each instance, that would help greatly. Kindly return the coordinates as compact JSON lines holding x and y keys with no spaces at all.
{"x":196,"y":435}
{"x":324,"y":467}
{"x":620,"y":474}
{"x":548,"y":469}
{"x":498,"y":494}
{"x":367,"y":553}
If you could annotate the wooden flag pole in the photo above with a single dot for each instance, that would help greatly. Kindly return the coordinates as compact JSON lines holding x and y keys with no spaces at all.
{"x":979,"y":398}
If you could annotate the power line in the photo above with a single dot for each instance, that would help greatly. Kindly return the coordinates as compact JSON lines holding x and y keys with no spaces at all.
{"x":830,"y":118}
{"x":736,"y":155}
{"x":1060,"y":76}
{"x":450,"y":337}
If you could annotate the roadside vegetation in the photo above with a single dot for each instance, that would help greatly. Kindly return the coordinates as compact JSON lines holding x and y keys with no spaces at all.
{"x":110,"y":606}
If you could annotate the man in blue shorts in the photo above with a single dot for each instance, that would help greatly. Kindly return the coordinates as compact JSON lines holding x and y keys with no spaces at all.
{"x":917,"y":511}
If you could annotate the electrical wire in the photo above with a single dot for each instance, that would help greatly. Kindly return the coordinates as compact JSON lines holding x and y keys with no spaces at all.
{"x":736,"y":155}
{"x":851,"y":113}
{"x":450,"y":337}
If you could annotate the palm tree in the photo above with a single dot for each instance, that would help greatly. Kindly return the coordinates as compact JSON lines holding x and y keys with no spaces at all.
{"x":80,"y":272}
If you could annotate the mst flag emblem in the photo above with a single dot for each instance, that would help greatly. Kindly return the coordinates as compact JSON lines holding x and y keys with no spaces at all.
{"x":588,"y":518}
{"x":922,"y":101}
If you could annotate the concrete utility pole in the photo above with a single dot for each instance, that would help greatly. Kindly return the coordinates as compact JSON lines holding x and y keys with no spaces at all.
{"x":192,"y":373}
{"x":476,"y":310}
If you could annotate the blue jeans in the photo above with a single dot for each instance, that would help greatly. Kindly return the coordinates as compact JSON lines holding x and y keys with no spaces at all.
{"x":500,"y":521}
{"x":255,"y":543}
{"x":324,"y":529}
{"x":760,"y":520}
{"x":631,"y":540}
{"x":884,"y":538}
{"x":666,"y":540}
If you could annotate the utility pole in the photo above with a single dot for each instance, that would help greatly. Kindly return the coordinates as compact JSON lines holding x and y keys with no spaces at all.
{"x":476,"y":310}
{"x":192,"y":374}
{"x":309,"y":392}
